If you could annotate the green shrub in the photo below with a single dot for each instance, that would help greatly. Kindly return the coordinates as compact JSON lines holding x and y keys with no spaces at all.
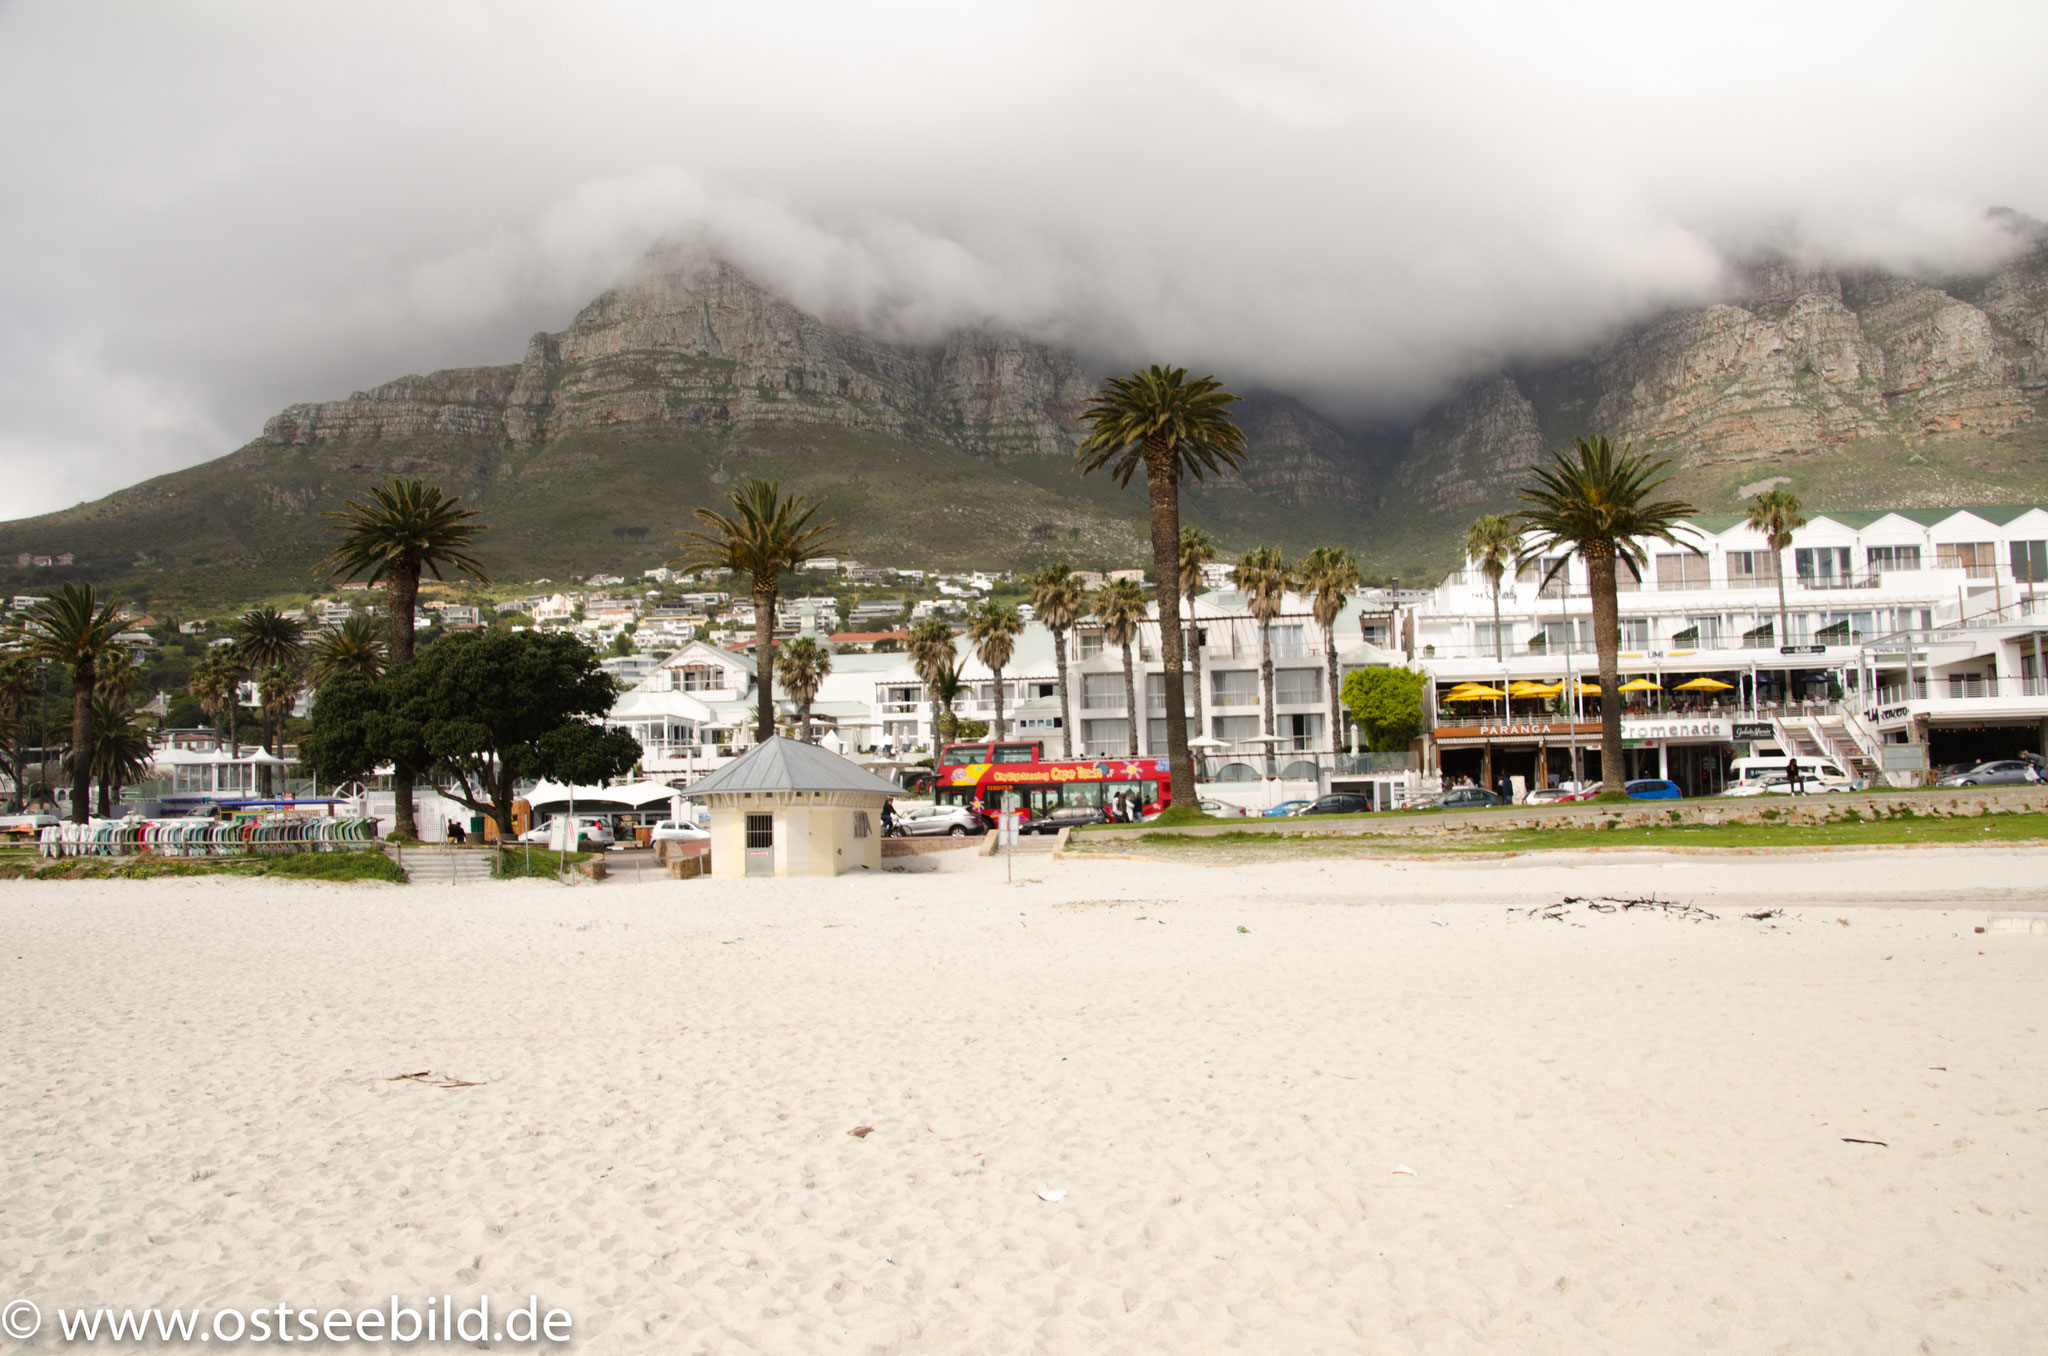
{"x":518,"y":864}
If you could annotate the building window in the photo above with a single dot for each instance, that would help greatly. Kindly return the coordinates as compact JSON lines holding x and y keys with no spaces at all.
{"x":1233,"y":687}
{"x":2030,"y":562}
{"x":1821,"y":566}
{"x":1752,"y":569}
{"x":1294,"y":687}
{"x":1700,"y":633}
{"x":860,"y":823}
{"x":1975,"y":558}
{"x":1893,"y":558}
{"x":1682,"y":570}
{"x":1288,"y":642}
{"x":1090,"y":643}
{"x":1155,"y":693}
{"x":760,"y":832}
{"x":1104,"y":738}
{"x":1102,"y":691}
{"x":1635,"y":631}
{"x":1234,"y":729}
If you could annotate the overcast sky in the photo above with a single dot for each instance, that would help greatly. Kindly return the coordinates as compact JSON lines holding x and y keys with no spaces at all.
{"x":211,"y":210}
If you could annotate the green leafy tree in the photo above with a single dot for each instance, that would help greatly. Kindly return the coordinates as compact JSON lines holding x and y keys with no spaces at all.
{"x":18,"y":689}
{"x":801,"y":667}
{"x":1490,"y":544}
{"x":353,"y":647}
{"x":947,"y":688}
{"x":405,"y":528}
{"x":1172,"y":428}
{"x":1120,"y":607}
{"x":1196,"y":550}
{"x":1263,"y":577}
{"x":1058,"y":599}
{"x":76,"y":628}
{"x":216,"y":684}
{"x":121,"y":752}
{"x":1328,"y":575}
{"x":766,"y":535}
{"x":349,"y":732}
{"x":992,"y":629}
{"x":1386,"y":705}
{"x":270,"y":643}
{"x":931,"y":654}
{"x":1595,"y":502}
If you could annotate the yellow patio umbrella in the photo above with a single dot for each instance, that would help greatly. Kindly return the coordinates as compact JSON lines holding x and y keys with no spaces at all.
{"x":1704,"y":685}
{"x":1555,"y":689}
{"x":1525,"y":688}
{"x":1588,"y":689}
{"x":1474,"y":693}
{"x":1639,"y":685}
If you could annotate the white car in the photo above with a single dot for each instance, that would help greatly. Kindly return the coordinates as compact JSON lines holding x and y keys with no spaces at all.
{"x":1778,"y":784}
{"x":675,"y":831}
{"x":592,"y":831}
{"x":1223,"y":810}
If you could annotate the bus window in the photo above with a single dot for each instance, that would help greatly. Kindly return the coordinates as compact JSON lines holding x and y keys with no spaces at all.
{"x":964,"y":755}
{"x":1017,"y":753}
{"x":1082,"y":793}
{"x":1041,"y":800}
{"x":1150,"y":792}
{"x":954,"y":795}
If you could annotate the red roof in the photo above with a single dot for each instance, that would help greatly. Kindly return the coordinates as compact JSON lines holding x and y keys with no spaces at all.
{"x":865,"y":637}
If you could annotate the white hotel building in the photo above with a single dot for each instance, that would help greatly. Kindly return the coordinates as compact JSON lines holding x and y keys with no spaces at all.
{"x":1922,"y":630}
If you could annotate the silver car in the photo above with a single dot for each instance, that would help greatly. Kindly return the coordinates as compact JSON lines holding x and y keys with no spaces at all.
{"x":955,"y":820}
{"x":2003,"y":772}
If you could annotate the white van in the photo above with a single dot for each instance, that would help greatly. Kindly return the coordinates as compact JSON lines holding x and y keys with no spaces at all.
{"x":1746,"y":776}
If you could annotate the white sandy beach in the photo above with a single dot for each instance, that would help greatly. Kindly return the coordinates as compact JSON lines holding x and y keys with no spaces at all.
{"x":1625,"y":1132}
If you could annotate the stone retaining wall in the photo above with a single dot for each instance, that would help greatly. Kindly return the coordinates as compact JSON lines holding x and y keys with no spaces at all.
{"x":1813,"y":809}
{"x":917,"y":847}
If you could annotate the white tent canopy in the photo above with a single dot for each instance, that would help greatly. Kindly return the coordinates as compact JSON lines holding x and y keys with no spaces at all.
{"x":547,"y":795}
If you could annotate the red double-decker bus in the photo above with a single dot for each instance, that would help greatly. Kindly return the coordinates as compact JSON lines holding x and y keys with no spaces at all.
{"x":978,"y":775}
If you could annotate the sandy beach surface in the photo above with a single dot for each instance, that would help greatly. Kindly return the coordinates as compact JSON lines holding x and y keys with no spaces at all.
{"x":1324,"y":1106}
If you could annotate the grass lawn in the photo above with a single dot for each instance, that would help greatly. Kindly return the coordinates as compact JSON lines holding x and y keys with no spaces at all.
{"x":1254,"y":846}
{"x":362,"y":865}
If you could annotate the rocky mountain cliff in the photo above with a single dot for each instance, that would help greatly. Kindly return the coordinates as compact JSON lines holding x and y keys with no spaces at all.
{"x":1807,"y":371}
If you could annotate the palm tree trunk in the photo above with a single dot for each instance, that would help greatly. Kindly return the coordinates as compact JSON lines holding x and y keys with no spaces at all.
{"x":1192,"y":640}
{"x":1164,"y":491}
{"x":1059,"y":655}
{"x":1607,"y":640}
{"x":1496,"y":622}
{"x":764,"y":658}
{"x":999,"y":731}
{"x":806,"y":710}
{"x":263,"y":774}
{"x":84,"y":677}
{"x":1266,"y":691}
{"x":1131,"y":699}
{"x":1784,"y":619}
{"x":403,"y":587}
{"x":1330,"y":673}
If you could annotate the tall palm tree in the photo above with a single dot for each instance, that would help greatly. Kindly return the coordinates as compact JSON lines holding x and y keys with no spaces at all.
{"x":1490,"y":544}
{"x":216,"y":685}
{"x":931,"y":654}
{"x":278,"y":687}
{"x":993,"y":629}
{"x":1594,"y":502}
{"x":1328,"y":575}
{"x":17,"y":699}
{"x":800,"y":667}
{"x":76,"y":629}
{"x":352,"y":648}
{"x":1120,"y":607}
{"x":1196,"y":550}
{"x":1058,"y":599}
{"x":766,"y":535}
{"x":405,"y":527}
{"x":1172,"y":427}
{"x":121,"y":752}
{"x":947,"y":687}
{"x":270,"y":643}
{"x":1263,"y":577}
{"x":1776,"y":514}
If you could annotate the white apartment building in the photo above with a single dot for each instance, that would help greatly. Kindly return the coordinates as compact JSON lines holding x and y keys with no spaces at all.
{"x":1920,"y":627}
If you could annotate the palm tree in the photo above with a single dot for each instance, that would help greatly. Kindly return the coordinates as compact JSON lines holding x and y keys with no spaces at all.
{"x":1776,"y":514}
{"x":121,"y":753}
{"x":17,"y":698}
{"x":1594,"y":502}
{"x":1120,"y":607}
{"x":801,"y":667}
{"x":216,"y":684}
{"x":76,"y":629}
{"x":405,"y":527}
{"x":765,"y":536}
{"x":352,"y":648}
{"x":1196,"y":550}
{"x":947,"y":687}
{"x":992,"y":629}
{"x":1328,"y":575}
{"x":1057,"y":601}
{"x":277,"y":686}
{"x":1172,"y":427}
{"x":1490,"y":543}
{"x":1263,"y":577}
{"x":270,"y":643}
{"x":931,"y":654}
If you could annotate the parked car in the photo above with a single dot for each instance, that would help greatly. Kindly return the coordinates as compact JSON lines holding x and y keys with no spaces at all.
{"x":592,"y":831}
{"x":1459,"y":798}
{"x":955,"y":820}
{"x":671,"y":830}
{"x":1341,"y":803}
{"x":2003,"y":772}
{"x":1287,"y":807}
{"x":1064,"y":817}
{"x":1652,"y":788}
{"x":1223,"y":809}
{"x":1547,"y":795}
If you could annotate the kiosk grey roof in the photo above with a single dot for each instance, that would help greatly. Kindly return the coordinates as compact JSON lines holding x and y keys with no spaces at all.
{"x":792,"y":765}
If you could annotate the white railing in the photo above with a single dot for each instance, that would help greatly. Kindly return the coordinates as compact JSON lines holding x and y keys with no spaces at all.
{"x":1961,"y":689}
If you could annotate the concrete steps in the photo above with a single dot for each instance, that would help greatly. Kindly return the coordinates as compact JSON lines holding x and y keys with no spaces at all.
{"x":443,"y":866}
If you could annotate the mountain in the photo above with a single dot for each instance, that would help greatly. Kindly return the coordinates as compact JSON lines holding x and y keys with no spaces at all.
{"x":679,"y":382}
{"x":1862,"y":389}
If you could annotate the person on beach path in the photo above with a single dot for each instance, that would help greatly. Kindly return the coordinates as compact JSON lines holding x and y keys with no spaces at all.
{"x":1792,"y":776}
{"x":455,"y":833}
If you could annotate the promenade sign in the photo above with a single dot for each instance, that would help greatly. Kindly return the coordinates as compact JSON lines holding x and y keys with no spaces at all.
{"x":1677,"y":728}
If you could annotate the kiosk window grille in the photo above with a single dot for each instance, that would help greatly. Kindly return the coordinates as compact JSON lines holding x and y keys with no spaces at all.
{"x":760,"y":831}
{"x":860,"y":823}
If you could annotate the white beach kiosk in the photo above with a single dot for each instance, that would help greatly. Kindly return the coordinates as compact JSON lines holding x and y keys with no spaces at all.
{"x":786,"y":808}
